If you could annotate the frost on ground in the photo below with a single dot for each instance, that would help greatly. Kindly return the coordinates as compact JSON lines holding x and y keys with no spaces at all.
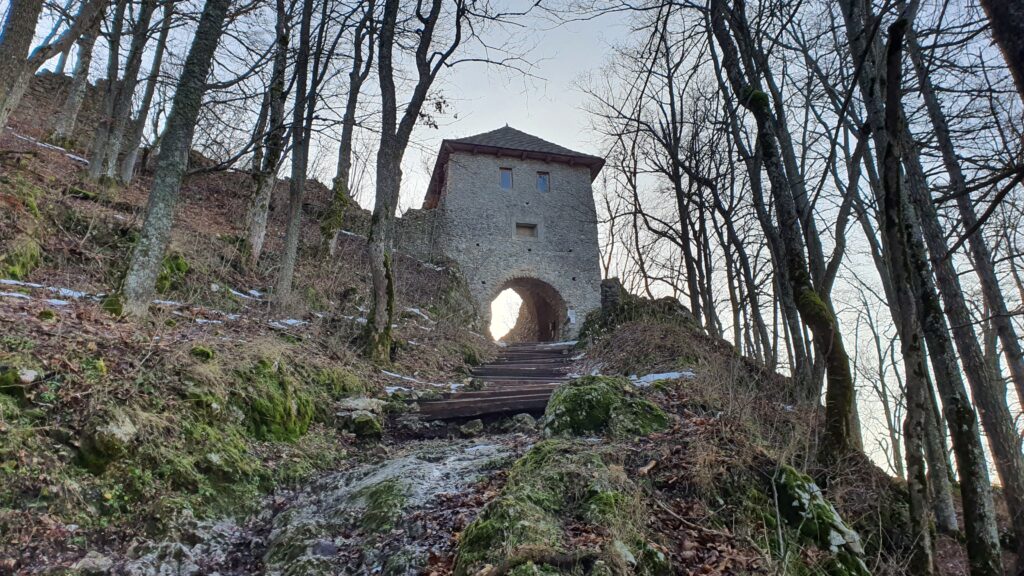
{"x":376,"y":518}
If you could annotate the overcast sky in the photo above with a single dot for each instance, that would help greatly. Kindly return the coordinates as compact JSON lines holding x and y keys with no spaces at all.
{"x":548,"y":105}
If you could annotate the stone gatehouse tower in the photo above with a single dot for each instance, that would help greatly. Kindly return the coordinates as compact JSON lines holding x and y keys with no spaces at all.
{"x":515,"y":211}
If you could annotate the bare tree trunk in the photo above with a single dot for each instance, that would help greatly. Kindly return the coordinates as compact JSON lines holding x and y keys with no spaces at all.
{"x":980,"y":253}
{"x":1007,"y":20}
{"x":979,"y":519}
{"x":841,"y":432}
{"x":897,"y":231}
{"x":988,"y":389}
{"x":394,"y":140}
{"x":140,"y":281}
{"x":17,"y":64}
{"x":138,"y":126}
{"x":259,"y":207}
{"x":126,"y":91}
{"x":304,"y":97}
{"x":341,"y":194}
{"x":939,"y":484}
{"x":102,"y":132}
{"x":64,"y":129}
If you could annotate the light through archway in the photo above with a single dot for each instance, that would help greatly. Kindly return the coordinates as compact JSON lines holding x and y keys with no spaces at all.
{"x":504,"y":312}
{"x":527,"y":310}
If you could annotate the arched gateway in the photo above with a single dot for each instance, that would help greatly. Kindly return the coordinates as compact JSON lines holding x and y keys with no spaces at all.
{"x":515,"y":211}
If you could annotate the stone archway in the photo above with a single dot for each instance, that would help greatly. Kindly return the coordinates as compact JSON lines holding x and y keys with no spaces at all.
{"x":542,"y":314}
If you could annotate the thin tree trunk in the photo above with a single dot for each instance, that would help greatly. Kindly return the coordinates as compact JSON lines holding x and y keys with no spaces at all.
{"x":259,"y":207}
{"x":140,"y":281}
{"x":1007,"y":20}
{"x":64,"y":129}
{"x":939,"y":484}
{"x":17,"y":64}
{"x":304,"y":96}
{"x":840,"y":421}
{"x":138,"y":126}
{"x":341,"y":194}
{"x":980,"y":253}
{"x":979,"y":519}
{"x":102,"y":132}
{"x":123,"y":107}
{"x":897,"y":232}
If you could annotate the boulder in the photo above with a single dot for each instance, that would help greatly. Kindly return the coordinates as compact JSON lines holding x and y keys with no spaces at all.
{"x":523,"y":423}
{"x":472,"y":428}
{"x":106,"y":440}
{"x":94,"y":564}
{"x":363,"y":423}
{"x":601,"y":405}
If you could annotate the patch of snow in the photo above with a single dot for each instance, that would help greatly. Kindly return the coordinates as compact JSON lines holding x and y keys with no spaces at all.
{"x":12,"y":282}
{"x":349,"y":233}
{"x":16,"y":295}
{"x":74,"y":157}
{"x":56,"y":302}
{"x":644,"y":381}
{"x":67,"y":292}
{"x":558,"y":344}
{"x":390,"y":390}
{"x":419,"y":313}
{"x":171,"y":303}
{"x":401,"y":377}
{"x":434,"y":266}
{"x":205,"y":321}
{"x":242,"y":295}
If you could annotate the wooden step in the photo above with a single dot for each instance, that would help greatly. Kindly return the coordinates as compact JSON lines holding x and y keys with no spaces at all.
{"x":467,"y":407}
{"x":531,"y":372}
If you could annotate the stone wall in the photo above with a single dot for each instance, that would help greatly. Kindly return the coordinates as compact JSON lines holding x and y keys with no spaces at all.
{"x":42,"y":102}
{"x":478,"y":230}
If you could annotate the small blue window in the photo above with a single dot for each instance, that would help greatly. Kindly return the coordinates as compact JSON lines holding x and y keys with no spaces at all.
{"x":505,"y":178}
{"x":543,"y":181}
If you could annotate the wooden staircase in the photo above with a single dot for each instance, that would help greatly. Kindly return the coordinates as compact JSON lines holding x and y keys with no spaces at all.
{"x":521,"y":379}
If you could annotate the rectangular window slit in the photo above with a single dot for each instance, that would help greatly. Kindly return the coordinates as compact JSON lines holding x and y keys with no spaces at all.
{"x":505,"y":178}
{"x":543,"y":181}
{"x":526,"y":230}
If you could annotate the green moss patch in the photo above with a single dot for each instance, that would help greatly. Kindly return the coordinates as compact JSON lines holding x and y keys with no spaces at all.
{"x":384,"y":504}
{"x":601,"y":405}
{"x":556,"y":484}
{"x":275,"y":406}
{"x":173,"y":270}
{"x":24,"y":256}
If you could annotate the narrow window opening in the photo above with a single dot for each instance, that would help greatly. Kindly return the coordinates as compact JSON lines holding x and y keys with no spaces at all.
{"x":526,"y":230}
{"x":505,"y":178}
{"x":543,"y":181}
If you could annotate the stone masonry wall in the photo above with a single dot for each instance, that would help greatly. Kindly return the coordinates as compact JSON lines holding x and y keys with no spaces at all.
{"x":479,"y":220}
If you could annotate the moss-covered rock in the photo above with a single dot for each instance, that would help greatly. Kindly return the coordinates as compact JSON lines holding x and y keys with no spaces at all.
{"x":275,"y":407}
{"x":173,"y":270}
{"x":107,"y":438}
{"x":15,"y":382}
{"x":384,"y":504}
{"x":24,"y":256}
{"x":805,"y":509}
{"x":203,"y":353}
{"x":557,"y":483}
{"x":601,"y":405}
{"x":363,"y":423}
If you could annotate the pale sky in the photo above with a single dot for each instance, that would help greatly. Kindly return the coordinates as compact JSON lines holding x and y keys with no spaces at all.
{"x":548,"y":105}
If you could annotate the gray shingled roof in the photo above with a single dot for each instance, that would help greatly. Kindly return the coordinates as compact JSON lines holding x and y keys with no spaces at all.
{"x":513,"y":139}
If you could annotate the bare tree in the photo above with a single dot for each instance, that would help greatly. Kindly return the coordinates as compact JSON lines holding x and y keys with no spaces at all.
{"x":140,"y":280}
{"x":17,"y":62}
